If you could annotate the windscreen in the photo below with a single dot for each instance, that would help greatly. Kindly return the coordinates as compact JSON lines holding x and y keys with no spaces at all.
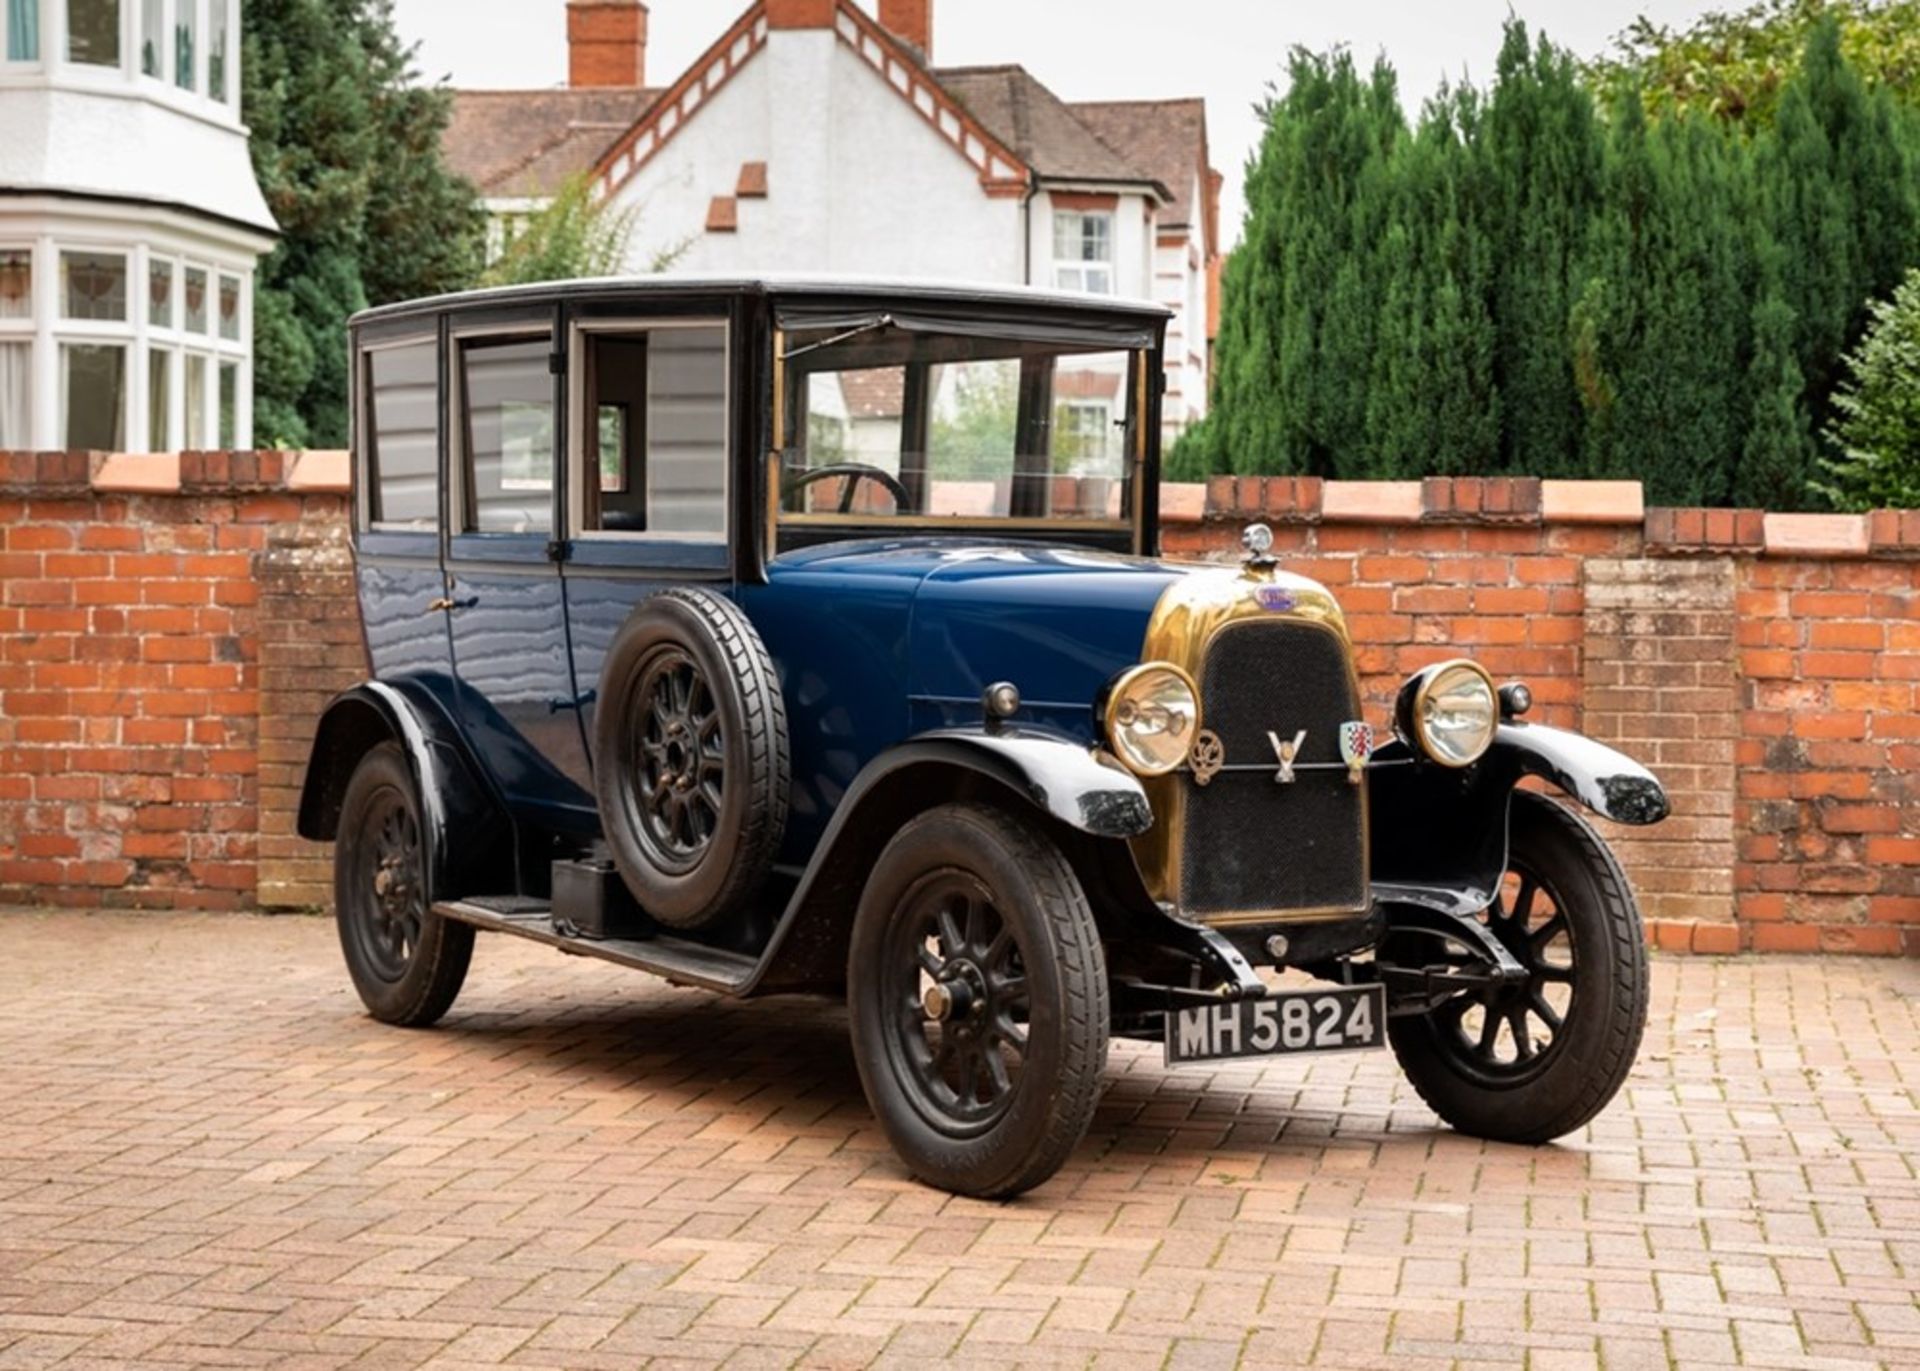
{"x":886,"y":423}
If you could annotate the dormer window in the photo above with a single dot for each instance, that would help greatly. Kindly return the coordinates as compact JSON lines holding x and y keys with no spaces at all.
{"x":93,"y":32}
{"x":22,"y":38}
{"x":1083,"y":251}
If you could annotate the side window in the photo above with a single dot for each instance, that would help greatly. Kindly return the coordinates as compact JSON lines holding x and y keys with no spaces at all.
{"x":654,"y":432}
{"x":403,"y":436}
{"x":506,"y":437}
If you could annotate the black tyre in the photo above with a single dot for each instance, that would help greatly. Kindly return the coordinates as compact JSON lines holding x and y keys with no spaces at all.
{"x":977,"y":993}
{"x":690,"y":758}
{"x":1532,"y":1062}
{"x":407,"y":962}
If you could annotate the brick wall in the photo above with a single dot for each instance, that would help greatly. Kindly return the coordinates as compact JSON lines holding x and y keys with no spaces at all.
{"x":136,"y":597}
{"x":170,"y":626}
{"x":1766,"y":667}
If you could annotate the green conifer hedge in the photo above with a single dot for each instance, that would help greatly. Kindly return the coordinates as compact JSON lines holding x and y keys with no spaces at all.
{"x":1524,"y":282}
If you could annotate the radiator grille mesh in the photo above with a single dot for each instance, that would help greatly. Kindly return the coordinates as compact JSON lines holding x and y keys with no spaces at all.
{"x":1250,"y":844}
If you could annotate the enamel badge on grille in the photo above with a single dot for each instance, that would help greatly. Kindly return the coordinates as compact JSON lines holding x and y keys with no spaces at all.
{"x":1356,"y":745}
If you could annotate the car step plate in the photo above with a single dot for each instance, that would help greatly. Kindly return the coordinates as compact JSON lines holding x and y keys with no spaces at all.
{"x":1337,"y":1019}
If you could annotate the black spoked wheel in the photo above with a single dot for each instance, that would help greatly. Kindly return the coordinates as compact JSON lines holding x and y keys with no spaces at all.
{"x":958,"y":982}
{"x":1536,"y":1059}
{"x":407,"y":962}
{"x":677,"y":773}
{"x":691,"y":767}
{"x":1510,"y":1035}
{"x":978,"y":998}
{"x":390,"y":885}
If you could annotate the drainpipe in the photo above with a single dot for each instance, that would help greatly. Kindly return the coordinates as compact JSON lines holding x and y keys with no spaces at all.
{"x":1026,"y":222}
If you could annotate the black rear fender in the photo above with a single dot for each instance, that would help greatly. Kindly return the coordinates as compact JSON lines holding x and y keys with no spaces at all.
{"x":469,"y":840}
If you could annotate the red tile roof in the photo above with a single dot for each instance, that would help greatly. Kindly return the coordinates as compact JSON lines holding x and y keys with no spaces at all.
{"x":514,"y":144}
{"x":1049,"y":136}
{"x":1167,"y":139}
{"x":528,"y":143}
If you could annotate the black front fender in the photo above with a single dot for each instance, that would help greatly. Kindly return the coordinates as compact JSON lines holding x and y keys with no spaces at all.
{"x":1610,"y":783}
{"x":1439,"y":835}
{"x":1058,"y":777}
{"x":1066,"y":779}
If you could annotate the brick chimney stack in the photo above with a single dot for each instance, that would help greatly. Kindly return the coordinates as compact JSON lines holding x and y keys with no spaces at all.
{"x":606,"y":43}
{"x":911,"y":21}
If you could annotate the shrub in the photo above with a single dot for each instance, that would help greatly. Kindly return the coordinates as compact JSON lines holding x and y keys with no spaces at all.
{"x":1877,"y":424}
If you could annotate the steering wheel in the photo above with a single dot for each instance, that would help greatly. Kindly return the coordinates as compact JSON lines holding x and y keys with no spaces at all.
{"x":855,"y":473}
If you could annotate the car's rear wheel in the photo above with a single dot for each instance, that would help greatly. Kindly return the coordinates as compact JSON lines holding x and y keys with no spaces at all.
{"x":1534,"y":1060}
{"x":407,"y":962}
{"x":690,"y":758}
{"x":978,"y":997}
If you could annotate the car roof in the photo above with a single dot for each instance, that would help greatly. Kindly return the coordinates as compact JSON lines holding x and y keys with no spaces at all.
{"x":789,"y":285}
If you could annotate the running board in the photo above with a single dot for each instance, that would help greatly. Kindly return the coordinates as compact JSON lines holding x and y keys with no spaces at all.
{"x":677,"y":959}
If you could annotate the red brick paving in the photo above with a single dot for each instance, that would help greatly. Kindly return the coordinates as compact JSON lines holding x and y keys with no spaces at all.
{"x":208,"y":1156}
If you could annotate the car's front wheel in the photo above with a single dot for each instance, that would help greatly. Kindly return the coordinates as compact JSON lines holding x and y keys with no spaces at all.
{"x":978,"y":996}
{"x":1533,"y":1060}
{"x":407,"y":962}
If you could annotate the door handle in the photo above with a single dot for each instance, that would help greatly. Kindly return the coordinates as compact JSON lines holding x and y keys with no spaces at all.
{"x":442,"y":602}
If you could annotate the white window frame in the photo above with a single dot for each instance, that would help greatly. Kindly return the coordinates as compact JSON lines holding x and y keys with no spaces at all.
{"x":46,"y":329}
{"x":577,"y":335}
{"x":1083,"y":268}
{"x":24,"y":323}
{"x":23,"y":330}
{"x":1103,"y":424}
{"x":10,"y":63}
{"x":179,"y":343}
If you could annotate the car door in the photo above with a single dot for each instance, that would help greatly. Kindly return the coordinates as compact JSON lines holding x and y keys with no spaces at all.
{"x":398,"y":517}
{"x":651,"y":417}
{"x":508,"y":615}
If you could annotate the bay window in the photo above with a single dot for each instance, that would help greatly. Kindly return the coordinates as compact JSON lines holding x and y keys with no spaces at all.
{"x":16,"y":396}
{"x":1083,"y":251}
{"x":186,"y":35}
{"x":153,"y":39}
{"x":195,"y":436}
{"x":93,"y":396}
{"x":93,"y":32}
{"x":23,"y":31}
{"x":230,"y":308}
{"x":229,"y":408}
{"x":217,"y":50}
{"x":16,"y":348}
{"x":159,"y":392}
{"x":16,"y":283}
{"x":196,"y":300}
{"x":93,"y":285}
{"x":160,"y":293}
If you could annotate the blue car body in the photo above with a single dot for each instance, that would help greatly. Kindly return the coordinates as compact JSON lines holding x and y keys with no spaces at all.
{"x":486,"y":650}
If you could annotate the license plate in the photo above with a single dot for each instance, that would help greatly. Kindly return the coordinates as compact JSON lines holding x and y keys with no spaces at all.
{"x":1335,"y":1020}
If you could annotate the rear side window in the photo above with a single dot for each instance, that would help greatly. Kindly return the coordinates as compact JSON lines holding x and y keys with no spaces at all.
{"x":507,"y":441}
{"x":403,"y":436}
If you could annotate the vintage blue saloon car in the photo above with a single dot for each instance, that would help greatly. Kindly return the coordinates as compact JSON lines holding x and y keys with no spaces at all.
{"x":796,"y":635}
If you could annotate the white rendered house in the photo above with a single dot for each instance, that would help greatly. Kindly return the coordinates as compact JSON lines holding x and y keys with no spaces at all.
{"x":813,"y":135}
{"x":130,"y":225}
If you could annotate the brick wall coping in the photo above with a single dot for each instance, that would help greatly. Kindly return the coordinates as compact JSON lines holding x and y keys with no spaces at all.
{"x":1524,"y":500}
{"x":172,"y":473}
{"x":1497,"y":500}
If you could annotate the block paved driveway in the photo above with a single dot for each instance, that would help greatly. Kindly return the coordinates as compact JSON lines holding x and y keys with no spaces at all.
{"x":209,"y":1156}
